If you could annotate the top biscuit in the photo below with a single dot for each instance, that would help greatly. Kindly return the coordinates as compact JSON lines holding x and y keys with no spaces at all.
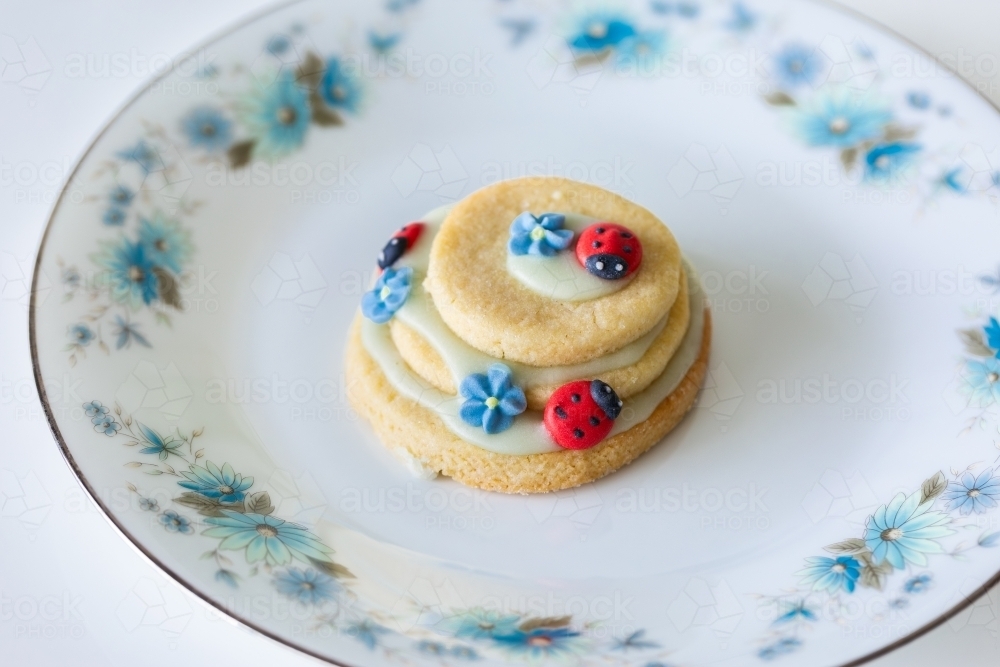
{"x":492,"y":311}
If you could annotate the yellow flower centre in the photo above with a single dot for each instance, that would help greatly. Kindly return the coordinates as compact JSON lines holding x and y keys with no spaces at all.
{"x":384,"y":293}
{"x":597,"y":30}
{"x":537,"y":234}
{"x":265,"y":530}
{"x":840,"y":125}
{"x":286,"y":115}
{"x":492,"y":402}
{"x":891,"y":534}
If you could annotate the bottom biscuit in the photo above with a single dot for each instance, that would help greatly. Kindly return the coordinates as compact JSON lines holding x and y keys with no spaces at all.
{"x":402,"y":423}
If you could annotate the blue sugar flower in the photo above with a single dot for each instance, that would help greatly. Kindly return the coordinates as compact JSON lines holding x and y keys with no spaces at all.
{"x":130,"y":273}
{"x":277,"y":116}
{"x":541,"y":643}
{"x":94,"y":409}
{"x":797,"y":65}
{"x":106,"y":424}
{"x":480,"y":623}
{"x":206,"y":127}
{"x":600,"y":31}
{"x":339,"y":87}
{"x":982,"y":382}
{"x":164,"y":241}
{"x":121,"y":196}
{"x":973,"y":494}
{"x":842,"y":120}
{"x":308,"y":587}
{"x":832,"y":574}
{"x":143,"y":155}
{"x":918,"y":100}
{"x":81,"y":335}
{"x":492,"y":400}
{"x":390,"y":293}
{"x":538,"y":236}
{"x":918,"y":584}
{"x":175,"y":523}
{"x":904,"y":531}
{"x":884,"y":161}
{"x":114,"y":217}
{"x":266,"y":538}
{"x":225,"y":485}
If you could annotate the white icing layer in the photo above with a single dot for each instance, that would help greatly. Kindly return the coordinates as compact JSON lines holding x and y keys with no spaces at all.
{"x":561,"y":277}
{"x":527,"y":435}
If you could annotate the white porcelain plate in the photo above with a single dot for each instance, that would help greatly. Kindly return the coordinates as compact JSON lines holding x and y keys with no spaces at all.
{"x":831,"y":495}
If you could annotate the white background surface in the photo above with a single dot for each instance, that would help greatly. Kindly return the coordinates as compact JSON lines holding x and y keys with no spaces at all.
{"x":70,"y":588}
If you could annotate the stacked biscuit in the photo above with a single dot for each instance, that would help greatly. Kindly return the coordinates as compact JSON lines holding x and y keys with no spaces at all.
{"x":536,"y":336}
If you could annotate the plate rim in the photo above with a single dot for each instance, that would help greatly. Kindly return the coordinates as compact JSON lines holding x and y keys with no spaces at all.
{"x":203,"y":597}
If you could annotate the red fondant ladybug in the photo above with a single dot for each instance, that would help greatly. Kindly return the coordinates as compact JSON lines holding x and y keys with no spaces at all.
{"x":400,"y":242}
{"x":580,"y":414}
{"x":608,"y":250}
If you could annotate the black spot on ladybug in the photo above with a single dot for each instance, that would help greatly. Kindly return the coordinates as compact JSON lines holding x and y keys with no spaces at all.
{"x":597,"y":244}
{"x":600,"y":230}
{"x":392,"y":251}
{"x":575,"y":398}
{"x":628,"y":249}
{"x":607,"y":266}
{"x":594,"y":421}
{"x":560,"y":412}
{"x":606,"y":398}
{"x":578,"y":433}
{"x":626,"y":235}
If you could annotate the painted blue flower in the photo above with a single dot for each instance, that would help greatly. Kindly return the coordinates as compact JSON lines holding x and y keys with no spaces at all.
{"x":463,"y":653}
{"x":479,"y":623}
{"x":992,"y":331}
{"x":432,"y":648}
{"x":840,"y":119}
{"x":307,"y":586}
{"x":144,"y":155}
{"x":797,"y":65}
{"x":390,"y":293}
{"x":904,"y":531}
{"x":106,"y":424}
{"x":339,"y":87}
{"x":367,"y":632}
{"x":600,"y":31}
{"x":130,"y":273}
{"x":206,"y":127}
{"x":94,"y":409}
{"x":643,"y":48}
{"x":212,"y":482}
{"x":832,"y":574}
{"x":164,"y":241}
{"x":266,"y":538}
{"x":780,"y":648}
{"x":383,"y":42}
{"x":885,"y":161}
{"x":541,"y":643}
{"x":794,"y":611}
{"x":114,"y":217}
{"x":543,"y":235}
{"x":126,"y":332}
{"x":492,"y":400}
{"x":918,"y":584}
{"x":972,"y":493}
{"x":277,"y":116}
{"x":278,"y":45}
{"x":121,"y":196}
{"x":634,"y":640}
{"x":176,"y":523}
{"x":982,"y":382}
{"x":741,"y":19}
{"x":81,"y":334}
{"x":918,"y":99}
{"x":954,"y":180}
{"x":157,"y":444}
{"x":149,"y":504}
